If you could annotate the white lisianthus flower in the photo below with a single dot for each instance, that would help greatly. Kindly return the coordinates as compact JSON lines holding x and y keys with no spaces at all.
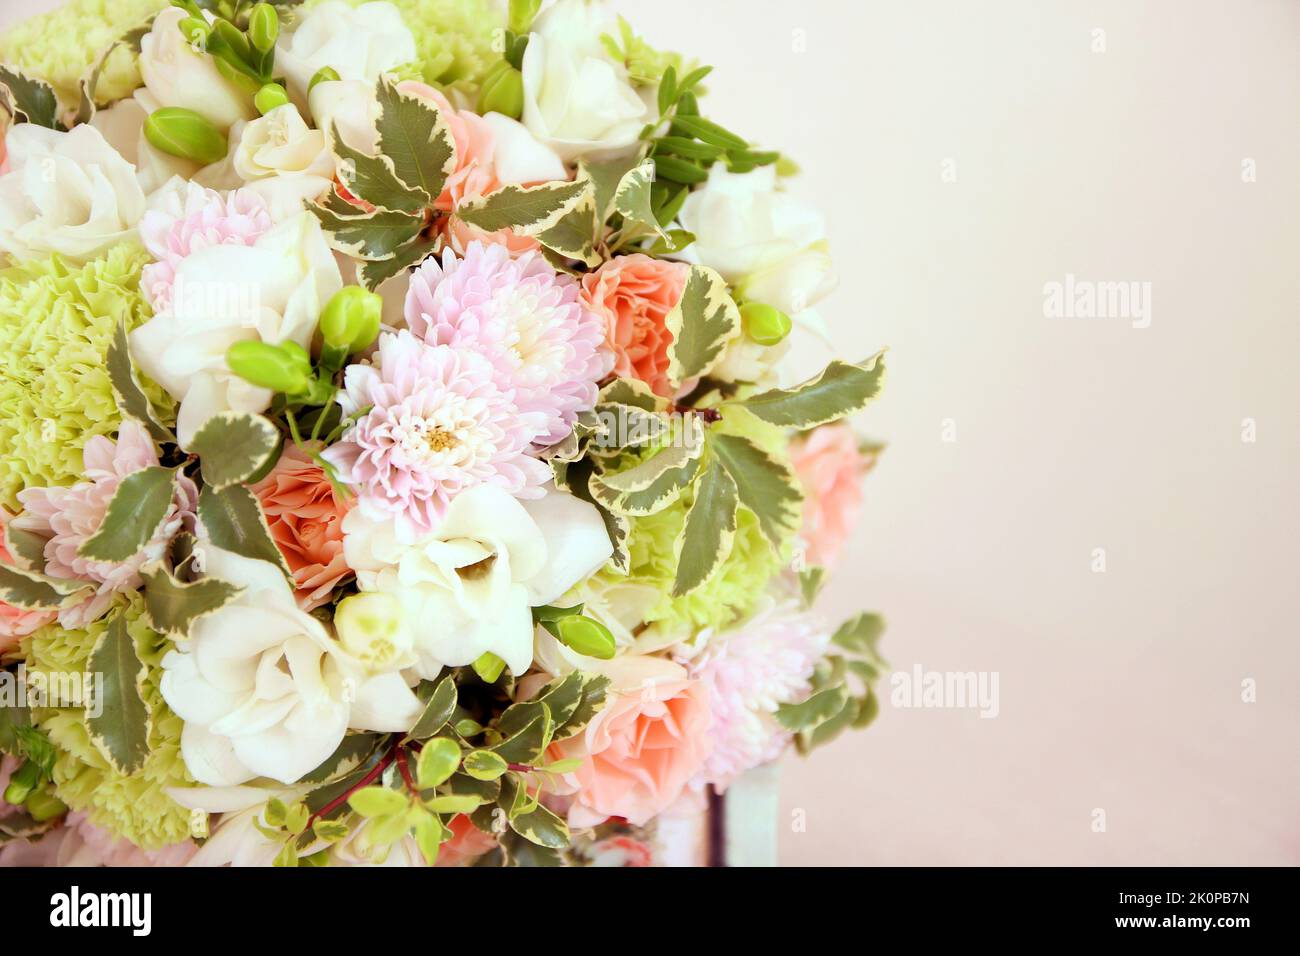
{"x":67,"y":193}
{"x":768,"y":243}
{"x":273,"y":290}
{"x":175,"y":74}
{"x":283,"y":160}
{"x":262,"y":687}
{"x":358,"y":43}
{"x":467,"y":587}
{"x":577,"y":98}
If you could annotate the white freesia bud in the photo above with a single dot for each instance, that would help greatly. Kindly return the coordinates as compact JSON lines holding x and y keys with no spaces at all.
{"x":175,"y":74}
{"x":358,"y":43}
{"x":767,"y":242}
{"x":577,"y":99}
{"x":67,"y":193}
{"x":283,"y":160}
{"x":273,"y":290}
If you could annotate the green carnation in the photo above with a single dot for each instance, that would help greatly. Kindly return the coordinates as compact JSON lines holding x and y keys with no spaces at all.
{"x":134,"y":806}
{"x":453,"y":38}
{"x":59,"y":46}
{"x":57,"y":321}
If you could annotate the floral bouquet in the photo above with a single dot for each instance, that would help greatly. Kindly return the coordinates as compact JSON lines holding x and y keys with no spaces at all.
{"x":396,"y":464}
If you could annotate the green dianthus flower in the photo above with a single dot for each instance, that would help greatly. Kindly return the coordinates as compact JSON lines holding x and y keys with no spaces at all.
{"x":56,"y":322}
{"x":134,"y":806}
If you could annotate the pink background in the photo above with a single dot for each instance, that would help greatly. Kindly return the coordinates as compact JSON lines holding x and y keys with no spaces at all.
{"x":1119,"y":691}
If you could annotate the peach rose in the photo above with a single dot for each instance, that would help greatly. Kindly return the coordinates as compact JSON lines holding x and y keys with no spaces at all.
{"x":306,"y":521}
{"x":467,"y":843}
{"x":15,"y":622}
{"x":634,"y":295}
{"x":830,"y":468}
{"x":640,"y":751}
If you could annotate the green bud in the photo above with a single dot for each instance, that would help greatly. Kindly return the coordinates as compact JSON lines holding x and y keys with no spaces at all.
{"x":185,"y":133}
{"x":351,"y":318}
{"x":522,"y":13}
{"x":22,"y":783}
{"x":269,"y":97}
{"x":271,"y":366}
{"x":237,"y":77}
{"x":263,"y":27}
{"x":503,"y":93}
{"x":489,"y":667}
{"x":765,"y":324}
{"x":42,"y":805}
{"x":585,"y":636}
{"x":196,"y":31}
{"x":325,"y":74}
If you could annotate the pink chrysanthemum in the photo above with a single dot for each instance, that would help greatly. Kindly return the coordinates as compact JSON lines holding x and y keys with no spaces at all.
{"x":189,"y":218}
{"x":68,"y":517}
{"x":525,"y":318}
{"x":749,"y":672}
{"x":438,"y":423}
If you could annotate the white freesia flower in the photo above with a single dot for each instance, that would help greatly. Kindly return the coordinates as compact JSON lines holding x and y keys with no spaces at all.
{"x":283,"y":160}
{"x":768,"y":243}
{"x":67,"y":193}
{"x":273,"y":290}
{"x":467,"y":587}
{"x":358,"y":43}
{"x":352,"y":106}
{"x":264,"y":690}
{"x":175,"y":74}
{"x":577,"y":99}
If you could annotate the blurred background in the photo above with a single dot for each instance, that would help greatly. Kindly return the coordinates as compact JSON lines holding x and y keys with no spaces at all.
{"x":966,"y":156}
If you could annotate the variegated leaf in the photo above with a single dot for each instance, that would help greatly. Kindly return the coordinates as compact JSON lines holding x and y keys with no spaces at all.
{"x":234,"y":521}
{"x":706,"y":537}
{"x":631,"y":391}
{"x":377,"y":236}
{"x":606,"y":176}
{"x":131,"y":399}
{"x":527,"y":210}
{"x":374,"y":274}
{"x":702,"y":322}
{"x":573,"y":236}
{"x":626,"y":426}
{"x":817,"y":709}
{"x":28,"y":99}
{"x":173,"y":606}
{"x":841,"y":389}
{"x":117,"y":720}
{"x":233,"y":447}
{"x":138,"y":507}
{"x":765,"y":486}
{"x":33,"y":591}
{"x":633,"y":199}
{"x":415,"y":137}
{"x":26,"y":548}
{"x":374,"y":179}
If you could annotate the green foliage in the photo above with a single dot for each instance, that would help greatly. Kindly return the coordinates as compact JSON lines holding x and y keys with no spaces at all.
{"x":139,"y":505}
{"x":28,"y":100}
{"x":841,"y":389}
{"x":120,"y":731}
{"x":842,"y":693}
{"x":234,"y":521}
{"x":233,"y":447}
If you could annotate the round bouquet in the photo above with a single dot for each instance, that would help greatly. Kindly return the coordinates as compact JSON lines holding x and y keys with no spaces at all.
{"x":397,"y":466}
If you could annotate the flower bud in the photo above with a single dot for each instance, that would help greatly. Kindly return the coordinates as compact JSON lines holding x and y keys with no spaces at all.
{"x":269,"y":97}
{"x":522,"y":13}
{"x":196,"y":31}
{"x":263,"y":27}
{"x":271,"y":366}
{"x":351,"y":319}
{"x":237,"y":77}
{"x":22,"y":783}
{"x":489,"y":667}
{"x":185,"y":133}
{"x":42,"y":805}
{"x":503,"y":92}
{"x":326,"y":74}
{"x":371,"y":628}
{"x":765,"y":324}
{"x":585,"y":636}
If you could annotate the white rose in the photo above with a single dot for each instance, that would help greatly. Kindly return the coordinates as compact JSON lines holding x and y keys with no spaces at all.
{"x":768,"y":243}
{"x":176,"y":75}
{"x":358,"y":43}
{"x":263,"y":689}
{"x":273,"y":291}
{"x":67,"y":193}
{"x":283,"y":160}
{"x":467,"y":587}
{"x":577,"y":99}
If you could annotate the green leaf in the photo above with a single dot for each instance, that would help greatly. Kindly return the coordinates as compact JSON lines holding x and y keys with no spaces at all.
{"x":484,"y":765}
{"x":860,"y":634}
{"x":633,"y":199}
{"x":452,"y":803}
{"x":708,"y":131}
{"x":415,"y":138}
{"x":428,"y":837}
{"x":14,"y":717}
{"x":833,"y":726}
{"x":529,"y":740}
{"x":173,"y":606}
{"x":542,"y":827}
{"x":594,"y":689}
{"x":439,"y":759}
{"x":28,"y":99}
{"x":606,"y":176}
{"x":652,"y":485}
{"x":377,"y":236}
{"x":233,"y":447}
{"x":234,"y":521}
{"x":33,"y":744}
{"x":121,"y":730}
{"x":810,"y":584}
{"x":139,"y":506}
{"x":765,"y":486}
{"x":33,"y":591}
{"x":372,"y":802}
{"x":573,"y":236}
{"x":527,"y":210}
{"x":349,"y":754}
{"x":374,"y":274}
{"x":130,"y":396}
{"x":814,"y":711}
{"x":702,"y":322}
{"x":706,"y":537}
{"x":26,"y":548}
{"x":634,"y":392}
{"x":374,"y":179}
{"x":841,"y":389}
{"x":441,"y":705}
